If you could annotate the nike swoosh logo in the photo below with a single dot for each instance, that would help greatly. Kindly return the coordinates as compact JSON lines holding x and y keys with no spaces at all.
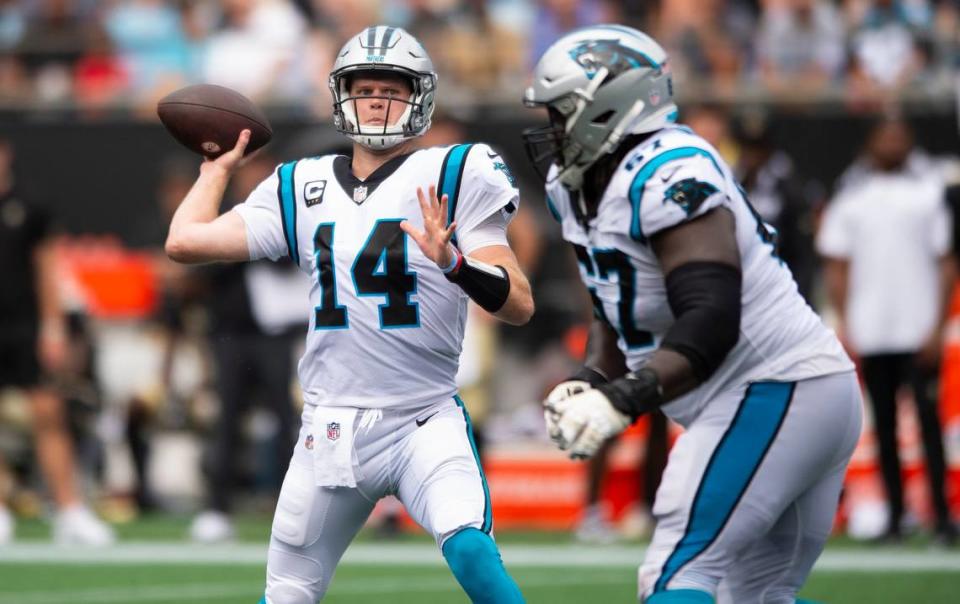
{"x":420,"y":422}
{"x":669,"y":174}
{"x":492,"y":155}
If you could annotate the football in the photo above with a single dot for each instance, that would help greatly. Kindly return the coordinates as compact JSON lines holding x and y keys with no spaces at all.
{"x":208,"y":119}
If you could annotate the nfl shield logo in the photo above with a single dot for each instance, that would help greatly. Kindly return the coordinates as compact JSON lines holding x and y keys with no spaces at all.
{"x":308,"y":443}
{"x":333,"y":431}
{"x":359,"y":194}
{"x":655,"y":98}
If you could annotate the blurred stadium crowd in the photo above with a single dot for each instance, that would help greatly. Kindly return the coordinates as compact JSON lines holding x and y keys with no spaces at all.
{"x":127,"y":53}
{"x":160,"y":363}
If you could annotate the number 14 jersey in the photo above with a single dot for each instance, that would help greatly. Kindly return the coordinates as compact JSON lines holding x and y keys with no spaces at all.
{"x":386,"y":326}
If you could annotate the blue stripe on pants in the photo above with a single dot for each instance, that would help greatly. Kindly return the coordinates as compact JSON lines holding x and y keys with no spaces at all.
{"x":487,"y":511}
{"x":734,"y":462}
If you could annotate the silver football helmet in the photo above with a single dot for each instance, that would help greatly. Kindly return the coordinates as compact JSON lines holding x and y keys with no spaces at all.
{"x":598,"y":84}
{"x":383,"y":49}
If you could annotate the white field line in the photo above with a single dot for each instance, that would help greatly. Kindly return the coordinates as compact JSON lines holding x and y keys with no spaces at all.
{"x":203,"y":591}
{"x":886,"y":560}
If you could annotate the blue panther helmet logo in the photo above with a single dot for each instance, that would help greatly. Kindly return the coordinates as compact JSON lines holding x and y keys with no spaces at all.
{"x":689,"y":194}
{"x":613,"y":55}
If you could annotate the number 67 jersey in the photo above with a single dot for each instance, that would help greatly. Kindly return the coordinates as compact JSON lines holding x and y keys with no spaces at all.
{"x":386,"y":326}
{"x":671,"y":177}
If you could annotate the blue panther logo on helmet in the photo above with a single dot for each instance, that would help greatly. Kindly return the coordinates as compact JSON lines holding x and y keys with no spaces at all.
{"x":613,"y":55}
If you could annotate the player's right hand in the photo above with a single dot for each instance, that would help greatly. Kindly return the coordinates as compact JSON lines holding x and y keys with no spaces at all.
{"x":553,"y":407}
{"x":232,"y":159}
{"x":587,"y":421}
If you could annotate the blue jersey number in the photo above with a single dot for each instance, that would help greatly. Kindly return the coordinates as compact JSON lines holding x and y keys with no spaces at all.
{"x":380,"y":269}
{"x":603,"y":263}
{"x":766,"y":234}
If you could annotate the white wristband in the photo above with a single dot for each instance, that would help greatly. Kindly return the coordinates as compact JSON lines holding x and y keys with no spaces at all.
{"x":453,"y":261}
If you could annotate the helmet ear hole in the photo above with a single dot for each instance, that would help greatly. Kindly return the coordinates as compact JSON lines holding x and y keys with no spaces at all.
{"x":604,"y":117}
{"x":556,"y":117}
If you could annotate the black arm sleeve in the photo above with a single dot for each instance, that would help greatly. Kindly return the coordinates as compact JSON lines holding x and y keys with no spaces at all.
{"x":705,"y":299}
{"x":488,"y":286}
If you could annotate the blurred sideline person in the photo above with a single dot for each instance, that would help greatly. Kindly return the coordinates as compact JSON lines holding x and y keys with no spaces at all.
{"x":690,"y":293}
{"x":392,"y":269}
{"x":252,"y":341}
{"x":33,"y":348}
{"x":886,"y":239}
{"x":781,"y":197}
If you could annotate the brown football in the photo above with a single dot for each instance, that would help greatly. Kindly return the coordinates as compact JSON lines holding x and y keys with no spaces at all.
{"x":208,"y":119}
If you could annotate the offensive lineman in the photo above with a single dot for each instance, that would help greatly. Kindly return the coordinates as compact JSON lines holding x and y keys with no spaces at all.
{"x":381,"y":413}
{"x":689,"y":292}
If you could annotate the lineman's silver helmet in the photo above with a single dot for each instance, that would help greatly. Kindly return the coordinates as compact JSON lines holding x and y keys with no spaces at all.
{"x":599,"y":84}
{"x":383,"y":49}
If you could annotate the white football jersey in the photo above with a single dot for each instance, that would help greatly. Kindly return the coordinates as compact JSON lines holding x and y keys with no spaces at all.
{"x":387,"y":326}
{"x":674,"y":176}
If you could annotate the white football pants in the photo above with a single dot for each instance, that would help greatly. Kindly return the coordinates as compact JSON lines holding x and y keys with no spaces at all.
{"x":432,"y":468}
{"x":750,"y":490}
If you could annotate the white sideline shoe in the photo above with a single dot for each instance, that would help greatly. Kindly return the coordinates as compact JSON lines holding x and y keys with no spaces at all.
{"x":212,"y":526}
{"x":77,"y":525}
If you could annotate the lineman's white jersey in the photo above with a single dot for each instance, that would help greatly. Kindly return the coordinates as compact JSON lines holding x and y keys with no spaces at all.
{"x":672,"y":177}
{"x":387,"y":326}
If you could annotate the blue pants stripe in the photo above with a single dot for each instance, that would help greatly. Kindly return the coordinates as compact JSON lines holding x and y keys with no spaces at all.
{"x":487,"y":511}
{"x":732,"y":466}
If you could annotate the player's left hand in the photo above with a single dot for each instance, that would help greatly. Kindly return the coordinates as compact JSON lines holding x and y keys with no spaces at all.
{"x":434,"y":239}
{"x":587,"y":420}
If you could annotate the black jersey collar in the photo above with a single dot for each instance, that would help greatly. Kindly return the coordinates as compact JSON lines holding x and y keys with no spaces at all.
{"x":360,"y":190}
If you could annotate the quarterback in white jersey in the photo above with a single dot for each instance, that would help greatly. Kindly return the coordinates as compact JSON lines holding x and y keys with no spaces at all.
{"x":396,"y":240}
{"x":695,"y":314}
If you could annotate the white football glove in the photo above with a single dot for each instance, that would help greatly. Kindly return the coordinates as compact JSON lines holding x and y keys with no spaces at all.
{"x":587,"y":420}
{"x":553,"y":406}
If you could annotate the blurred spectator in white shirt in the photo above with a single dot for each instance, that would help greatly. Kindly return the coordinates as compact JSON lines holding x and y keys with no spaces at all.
{"x":258,"y":51}
{"x":800,"y":45}
{"x":886,"y":239}
{"x":889,"y":46}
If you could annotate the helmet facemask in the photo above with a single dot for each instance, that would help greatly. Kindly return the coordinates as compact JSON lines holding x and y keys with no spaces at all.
{"x":578,"y":136}
{"x":599,"y":85}
{"x":412,"y":122}
{"x":550,"y":144}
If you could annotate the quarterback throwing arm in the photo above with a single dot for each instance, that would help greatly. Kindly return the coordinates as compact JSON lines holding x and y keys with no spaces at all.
{"x":470,"y":199}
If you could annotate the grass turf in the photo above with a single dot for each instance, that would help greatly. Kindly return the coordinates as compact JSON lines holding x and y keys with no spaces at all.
{"x":356,"y":583}
{"x":368,"y":584}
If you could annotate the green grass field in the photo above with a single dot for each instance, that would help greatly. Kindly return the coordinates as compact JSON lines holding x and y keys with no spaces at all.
{"x":368,"y":584}
{"x":154,"y":565}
